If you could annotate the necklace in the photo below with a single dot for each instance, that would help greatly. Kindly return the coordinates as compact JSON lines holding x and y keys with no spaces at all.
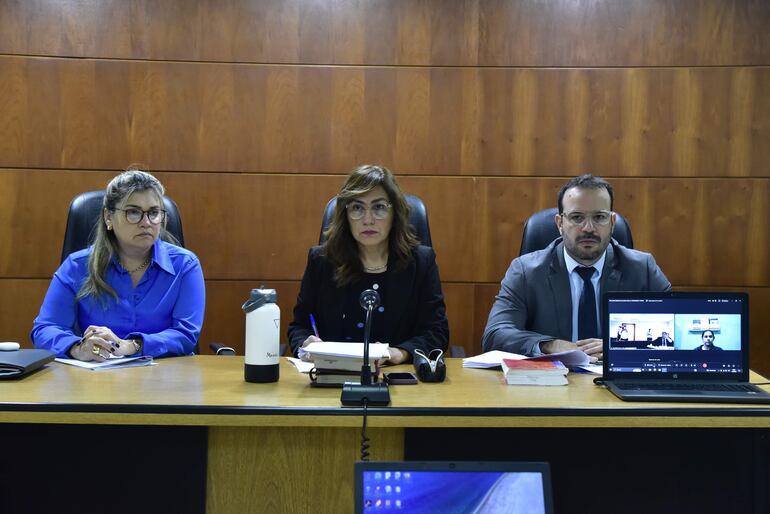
{"x":378,"y":268}
{"x":141,"y":266}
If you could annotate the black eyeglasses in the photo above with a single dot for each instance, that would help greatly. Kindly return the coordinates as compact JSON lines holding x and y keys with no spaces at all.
{"x":134,"y":215}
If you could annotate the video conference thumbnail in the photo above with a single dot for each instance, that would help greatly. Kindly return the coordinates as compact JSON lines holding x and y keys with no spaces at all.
{"x":699,"y":332}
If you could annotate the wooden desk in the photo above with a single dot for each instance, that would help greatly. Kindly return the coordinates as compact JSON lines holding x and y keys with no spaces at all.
{"x":287,"y":447}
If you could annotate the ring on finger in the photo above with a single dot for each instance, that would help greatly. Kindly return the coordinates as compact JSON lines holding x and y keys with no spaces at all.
{"x":95,"y":350}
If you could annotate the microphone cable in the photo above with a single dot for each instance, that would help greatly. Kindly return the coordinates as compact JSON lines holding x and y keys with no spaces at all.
{"x":364,"y":439}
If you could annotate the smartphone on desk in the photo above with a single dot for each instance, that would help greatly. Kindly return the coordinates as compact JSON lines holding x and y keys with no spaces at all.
{"x":400,"y":378}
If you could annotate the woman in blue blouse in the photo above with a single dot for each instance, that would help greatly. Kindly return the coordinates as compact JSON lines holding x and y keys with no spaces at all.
{"x":132,"y":292}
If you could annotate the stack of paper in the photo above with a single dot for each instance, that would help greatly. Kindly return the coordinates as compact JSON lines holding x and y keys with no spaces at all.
{"x":111,"y":363}
{"x":338,"y":363}
{"x":530,"y":372}
{"x":493,"y":359}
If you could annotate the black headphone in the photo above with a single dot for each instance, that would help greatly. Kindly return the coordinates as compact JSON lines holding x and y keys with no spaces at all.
{"x":431,"y":367}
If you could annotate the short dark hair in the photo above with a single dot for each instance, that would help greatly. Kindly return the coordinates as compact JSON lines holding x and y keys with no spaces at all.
{"x":586,"y":181}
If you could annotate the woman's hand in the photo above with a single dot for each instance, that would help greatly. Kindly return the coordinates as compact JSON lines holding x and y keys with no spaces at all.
{"x":107,"y":340}
{"x":310,"y":339}
{"x":397,"y":356}
{"x":92,"y":348}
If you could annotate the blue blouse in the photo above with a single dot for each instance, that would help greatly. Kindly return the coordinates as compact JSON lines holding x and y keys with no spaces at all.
{"x":165,"y":309}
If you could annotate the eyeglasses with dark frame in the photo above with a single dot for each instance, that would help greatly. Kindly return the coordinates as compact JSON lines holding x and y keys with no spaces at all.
{"x":134,"y":215}
{"x":379,"y":210}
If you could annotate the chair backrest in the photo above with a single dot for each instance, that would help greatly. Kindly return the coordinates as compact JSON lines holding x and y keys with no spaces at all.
{"x":85,"y":211}
{"x":418,"y":218}
{"x":540,"y":230}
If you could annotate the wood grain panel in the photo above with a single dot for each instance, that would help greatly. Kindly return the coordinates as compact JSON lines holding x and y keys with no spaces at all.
{"x":244,"y":226}
{"x":225,"y":321}
{"x":20,"y":302}
{"x":399,"y":32}
{"x":652,"y":33}
{"x":707,"y":122}
{"x":259,"y":469}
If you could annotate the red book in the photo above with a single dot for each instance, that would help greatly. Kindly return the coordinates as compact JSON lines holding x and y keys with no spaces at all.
{"x":534,"y":372}
{"x":528,"y":366}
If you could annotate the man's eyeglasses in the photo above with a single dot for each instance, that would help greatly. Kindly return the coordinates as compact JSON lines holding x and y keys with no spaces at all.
{"x":598,"y":218}
{"x":134,"y":215}
{"x":379,"y":210}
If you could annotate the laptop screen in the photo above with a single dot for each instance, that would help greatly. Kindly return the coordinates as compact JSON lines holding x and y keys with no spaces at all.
{"x":700,"y":336}
{"x":446,"y":487}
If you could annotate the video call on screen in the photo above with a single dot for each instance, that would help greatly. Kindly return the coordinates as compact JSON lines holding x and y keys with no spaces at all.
{"x":673,"y":335}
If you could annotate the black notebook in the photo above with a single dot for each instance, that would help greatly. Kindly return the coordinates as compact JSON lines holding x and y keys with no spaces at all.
{"x":18,"y":363}
{"x":683,"y":347}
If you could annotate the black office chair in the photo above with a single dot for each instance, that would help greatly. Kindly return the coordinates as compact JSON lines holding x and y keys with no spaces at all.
{"x":540,"y":231}
{"x":418,"y":218}
{"x":86,"y":210}
{"x":83,"y":216}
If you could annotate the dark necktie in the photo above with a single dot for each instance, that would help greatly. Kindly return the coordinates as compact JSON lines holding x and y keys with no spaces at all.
{"x":587,"y":322}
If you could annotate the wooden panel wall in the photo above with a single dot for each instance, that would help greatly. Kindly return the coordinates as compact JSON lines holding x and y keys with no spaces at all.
{"x":251,"y":112}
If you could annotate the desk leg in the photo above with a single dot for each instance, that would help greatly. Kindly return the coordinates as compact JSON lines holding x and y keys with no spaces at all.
{"x":289,"y":469}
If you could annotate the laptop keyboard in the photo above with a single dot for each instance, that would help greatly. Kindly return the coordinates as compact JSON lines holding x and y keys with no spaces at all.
{"x":669,"y":386}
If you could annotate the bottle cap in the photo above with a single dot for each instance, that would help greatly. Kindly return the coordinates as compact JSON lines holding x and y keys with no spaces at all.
{"x":258,"y":298}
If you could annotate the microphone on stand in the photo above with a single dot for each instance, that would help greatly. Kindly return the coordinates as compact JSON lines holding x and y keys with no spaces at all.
{"x":366,"y":392}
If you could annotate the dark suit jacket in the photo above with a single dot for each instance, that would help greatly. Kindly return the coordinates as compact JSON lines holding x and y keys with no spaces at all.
{"x":535,"y":304}
{"x":415,"y":318}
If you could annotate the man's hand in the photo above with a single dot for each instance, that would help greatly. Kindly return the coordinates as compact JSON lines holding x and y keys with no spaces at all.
{"x":592,"y":347}
{"x":557,"y":345}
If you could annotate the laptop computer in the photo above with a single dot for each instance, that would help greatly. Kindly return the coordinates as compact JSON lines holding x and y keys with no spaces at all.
{"x":678,"y":347}
{"x":441,"y":487}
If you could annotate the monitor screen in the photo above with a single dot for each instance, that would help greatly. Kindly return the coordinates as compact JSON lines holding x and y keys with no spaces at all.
{"x":452,"y":487}
{"x":684,"y":333}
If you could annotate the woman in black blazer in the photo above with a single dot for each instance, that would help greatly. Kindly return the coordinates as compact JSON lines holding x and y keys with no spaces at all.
{"x":370,"y":245}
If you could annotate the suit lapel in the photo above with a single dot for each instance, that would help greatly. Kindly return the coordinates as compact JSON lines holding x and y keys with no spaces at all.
{"x":562,"y":296}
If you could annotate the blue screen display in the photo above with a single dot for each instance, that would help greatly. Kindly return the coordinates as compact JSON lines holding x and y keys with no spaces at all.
{"x":448,"y":492}
{"x":675,"y":335}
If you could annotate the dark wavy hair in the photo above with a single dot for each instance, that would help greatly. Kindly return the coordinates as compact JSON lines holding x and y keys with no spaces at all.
{"x":341,"y":248}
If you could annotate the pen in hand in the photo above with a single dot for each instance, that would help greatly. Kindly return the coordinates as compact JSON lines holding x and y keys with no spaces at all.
{"x":313,"y":325}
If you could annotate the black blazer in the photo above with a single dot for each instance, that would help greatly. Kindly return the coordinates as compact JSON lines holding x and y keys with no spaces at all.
{"x":416,"y":317}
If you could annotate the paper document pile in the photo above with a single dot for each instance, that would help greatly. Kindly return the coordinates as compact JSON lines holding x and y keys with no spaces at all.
{"x":337,"y":363}
{"x":111,"y":363}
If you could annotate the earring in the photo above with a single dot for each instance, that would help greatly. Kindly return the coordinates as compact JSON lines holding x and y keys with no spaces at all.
{"x":109,"y":226}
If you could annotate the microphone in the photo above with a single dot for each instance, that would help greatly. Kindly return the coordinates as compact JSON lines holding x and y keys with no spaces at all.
{"x":366,"y":393}
{"x":369,"y":299}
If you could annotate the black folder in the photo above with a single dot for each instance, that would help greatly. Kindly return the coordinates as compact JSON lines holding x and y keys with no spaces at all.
{"x":18,"y":363}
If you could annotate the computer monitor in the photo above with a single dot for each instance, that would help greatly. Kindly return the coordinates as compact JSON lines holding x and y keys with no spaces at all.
{"x":448,"y":487}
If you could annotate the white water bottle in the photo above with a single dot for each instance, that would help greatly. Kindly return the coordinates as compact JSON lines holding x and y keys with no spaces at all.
{"x":263,"y":326}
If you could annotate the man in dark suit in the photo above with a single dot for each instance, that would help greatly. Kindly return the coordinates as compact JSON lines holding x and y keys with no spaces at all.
{"x":549,"y":299}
